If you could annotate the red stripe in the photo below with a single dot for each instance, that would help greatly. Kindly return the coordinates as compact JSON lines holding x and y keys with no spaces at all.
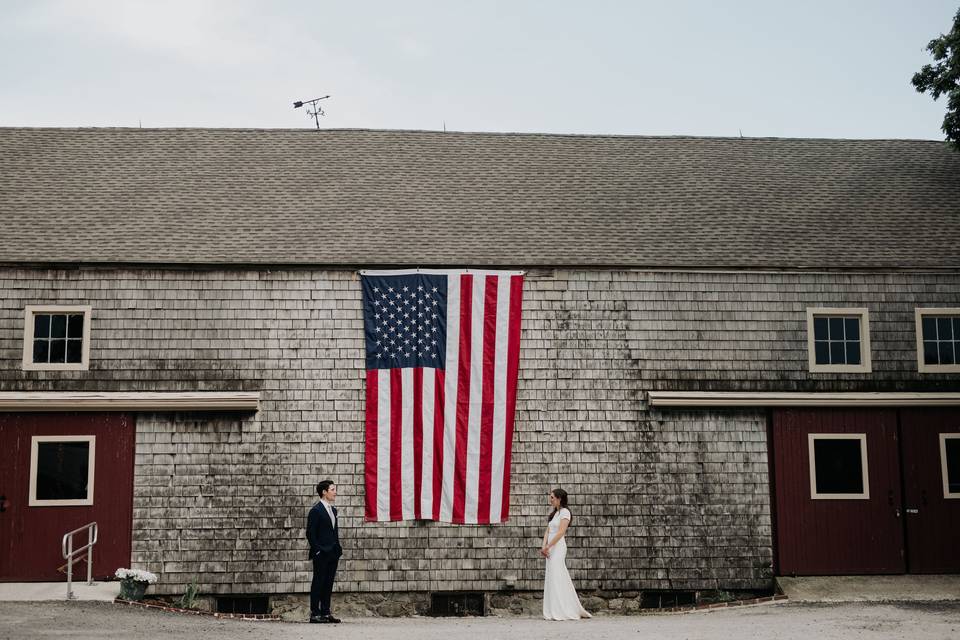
{"x":417,"y":439}
{"x":396,"y":444}
{"x":486,"y":406}
{"x":370,"y":471}
{"x":513,"y":359}
{"x":438,"y":442}
{"x":463,"y":398}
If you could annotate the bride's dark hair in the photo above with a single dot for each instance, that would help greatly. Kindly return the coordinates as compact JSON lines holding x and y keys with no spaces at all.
{"x":560,"y":495}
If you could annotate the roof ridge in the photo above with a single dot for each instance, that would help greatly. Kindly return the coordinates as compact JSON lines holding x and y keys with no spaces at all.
{"x":534,"y":134}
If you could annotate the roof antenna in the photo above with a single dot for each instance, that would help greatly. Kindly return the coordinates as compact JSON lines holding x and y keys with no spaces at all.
{"x":317,"y":111}
{"x":741,"y":132}
{"x":444,"y":126}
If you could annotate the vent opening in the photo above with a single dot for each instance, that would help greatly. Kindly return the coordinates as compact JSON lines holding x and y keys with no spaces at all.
{"x":666,"y":599}
{"x":243,"y":604}
{"x":457,"y":604}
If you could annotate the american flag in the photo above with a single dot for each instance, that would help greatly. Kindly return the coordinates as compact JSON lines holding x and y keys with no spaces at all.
{"x":442,"y":349}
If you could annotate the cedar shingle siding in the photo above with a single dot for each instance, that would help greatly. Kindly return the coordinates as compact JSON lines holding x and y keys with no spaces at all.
{"x":662,"y":499}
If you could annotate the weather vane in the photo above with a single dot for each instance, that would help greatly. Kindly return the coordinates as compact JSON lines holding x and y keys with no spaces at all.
{"x":317,"y":111}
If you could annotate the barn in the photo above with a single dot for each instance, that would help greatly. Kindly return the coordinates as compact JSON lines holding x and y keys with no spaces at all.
{"x":741,"y":357}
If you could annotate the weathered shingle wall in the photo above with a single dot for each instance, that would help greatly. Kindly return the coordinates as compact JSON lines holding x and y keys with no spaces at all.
{"x":661,"y":499}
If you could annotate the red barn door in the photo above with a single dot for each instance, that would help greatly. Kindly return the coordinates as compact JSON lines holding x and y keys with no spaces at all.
{"x":837,"y":484}
{"x":931,"y":480}
{"x":59,"y":472}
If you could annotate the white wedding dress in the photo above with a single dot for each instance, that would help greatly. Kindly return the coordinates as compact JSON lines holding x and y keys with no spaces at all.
{"x":560,"y":601}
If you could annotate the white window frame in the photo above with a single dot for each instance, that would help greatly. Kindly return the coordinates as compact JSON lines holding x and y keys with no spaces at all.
{"x":922,"y":366}
{"x":862,"y":437}
{"x":865,"y":363}
{"x":943,"y":465}
{"x":29,"y":311}
{"x":91,"y":460}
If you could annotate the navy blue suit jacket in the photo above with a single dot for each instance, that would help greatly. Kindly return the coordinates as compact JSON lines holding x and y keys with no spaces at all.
{"x":323,"y":535}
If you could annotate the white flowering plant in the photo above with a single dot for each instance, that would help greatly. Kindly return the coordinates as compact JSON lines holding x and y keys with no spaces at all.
{"x":136,"y":575}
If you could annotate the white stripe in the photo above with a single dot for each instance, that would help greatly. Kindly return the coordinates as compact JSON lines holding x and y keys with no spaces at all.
{"x":383,"y":444}
{"x":476,"y":402}
{"x":426,"y":487}
{"x":406,"y":440}
{"x":450,"y":396}
{"x":499,"y":447}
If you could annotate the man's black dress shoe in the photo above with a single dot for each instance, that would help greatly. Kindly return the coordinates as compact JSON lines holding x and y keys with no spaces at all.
{"x":320,"y":619}
{"x":333,"y":620}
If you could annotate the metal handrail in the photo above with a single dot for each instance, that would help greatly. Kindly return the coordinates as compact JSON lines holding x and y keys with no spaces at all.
{"x":69,"y":552}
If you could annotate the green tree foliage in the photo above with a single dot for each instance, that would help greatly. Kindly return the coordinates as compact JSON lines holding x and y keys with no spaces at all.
{"x":943,"y":78}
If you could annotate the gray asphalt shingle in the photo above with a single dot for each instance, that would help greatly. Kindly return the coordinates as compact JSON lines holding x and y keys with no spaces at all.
{"x":421,"y":198}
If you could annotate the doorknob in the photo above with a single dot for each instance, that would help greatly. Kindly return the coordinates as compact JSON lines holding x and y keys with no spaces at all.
{"x":3,"y":503}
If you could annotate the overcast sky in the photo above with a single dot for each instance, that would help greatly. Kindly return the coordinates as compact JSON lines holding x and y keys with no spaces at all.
{"x":833,"y":69}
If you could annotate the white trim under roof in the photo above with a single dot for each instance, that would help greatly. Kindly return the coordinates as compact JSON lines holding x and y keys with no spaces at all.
{"x":790,"y":399}
{"x":129,"y":401}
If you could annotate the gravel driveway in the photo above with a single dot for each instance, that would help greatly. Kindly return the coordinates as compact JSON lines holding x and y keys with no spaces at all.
{"x":101,"y":621}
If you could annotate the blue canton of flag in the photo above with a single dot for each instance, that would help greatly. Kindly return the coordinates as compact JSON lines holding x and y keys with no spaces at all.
{"x":405,"y":321}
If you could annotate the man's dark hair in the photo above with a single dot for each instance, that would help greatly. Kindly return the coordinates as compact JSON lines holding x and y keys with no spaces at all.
{"x":324,"y":485}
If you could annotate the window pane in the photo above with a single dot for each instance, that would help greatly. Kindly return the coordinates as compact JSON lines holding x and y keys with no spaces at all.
{"x":837,"y":353}
{"x":836,"y":328}
{"x":820,"y":329}
{"x":929,"y":325}
{"x":41,"y":325}
{"x":946,"y":353}
{"x":944,"y":329}
{"x":58,"y":326}
{"x":62,"y":470}
{"x":956,"y":328}
{"x":953,"y":464}
{"x":852,"y":328}
{"x":822,"y":350}
{"x":853,"y":353}
{"x":930,"y":353}
{"x":41,"y":350}
{"x":75,"y":326}
{"x":838,"y":465}
{"x":58,"y":351}
{"x":74,"y":350}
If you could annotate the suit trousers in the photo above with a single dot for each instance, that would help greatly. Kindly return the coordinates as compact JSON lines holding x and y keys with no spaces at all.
{"x":324,"y":571}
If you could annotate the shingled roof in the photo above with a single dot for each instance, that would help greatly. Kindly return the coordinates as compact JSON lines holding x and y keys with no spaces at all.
{"x":422,"y":198}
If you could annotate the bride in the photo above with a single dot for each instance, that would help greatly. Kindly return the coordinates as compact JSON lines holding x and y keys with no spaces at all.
{"x":560,"y":601}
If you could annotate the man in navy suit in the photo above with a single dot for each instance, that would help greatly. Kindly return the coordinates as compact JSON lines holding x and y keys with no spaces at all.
{"x":325,"y":551}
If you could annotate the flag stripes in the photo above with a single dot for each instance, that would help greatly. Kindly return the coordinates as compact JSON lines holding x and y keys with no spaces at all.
{"x":438,"y":439}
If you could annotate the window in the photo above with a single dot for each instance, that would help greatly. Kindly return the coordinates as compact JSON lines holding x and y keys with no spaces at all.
{"x":56,"y":338}
{"x":938,"y":340}
{"x":61,"y":471}
{"x":950,"y":464}
{"x":838,"y":340}
{"x":838,"y":466}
